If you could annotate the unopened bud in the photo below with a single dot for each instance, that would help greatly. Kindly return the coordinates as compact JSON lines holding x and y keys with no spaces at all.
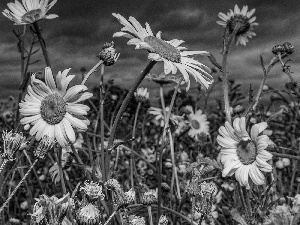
{"x":45,"y":145}
{"x":108,"y":54}
{"x":141,"y":94}
{"x":288,"y":48}
{"x":11,"y":144}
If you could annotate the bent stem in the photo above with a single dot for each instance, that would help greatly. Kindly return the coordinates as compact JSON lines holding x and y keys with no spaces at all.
{"x":126,"y":101}
{"x":18,"y":186}
{"x":133,"y":144}
{"x":42,"y":43}
{"x":91,"y":71}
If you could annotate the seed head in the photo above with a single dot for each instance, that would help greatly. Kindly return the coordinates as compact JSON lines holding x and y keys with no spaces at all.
{"x":108,"y":54}
{"x":136,"y":220}
{"x":93,"y":190}
{"x":288,"y":48}
{"x":45,"y":145}
{"x":12,"y":142}
{"x":149,"y":198}
{"x":88,"y":214}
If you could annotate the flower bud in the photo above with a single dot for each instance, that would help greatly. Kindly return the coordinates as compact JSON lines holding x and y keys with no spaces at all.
{"x":141,"y":94}
{"x":288,"y":48}
{"x":108,"y":54}
{"x":286,"y":162}
{"x":45,"y":145}
{"x":11,"y":144}
{"x":279,"y":164}
{"x":278,"y":49}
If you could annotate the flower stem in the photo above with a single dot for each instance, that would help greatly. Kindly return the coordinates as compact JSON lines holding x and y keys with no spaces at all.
{"x":133,"y":143}
{"x":166,"y":128}
{"x":104,"y":155}
{"x":91,"y":71}
{"x":127,"y":99}
{"x":42,"y":43}
{"x":150,"y":214}
{"x":3,"y":165}
{"x":62,"y":180}
{"x":110,"y":217}
{"x":18,"y":186}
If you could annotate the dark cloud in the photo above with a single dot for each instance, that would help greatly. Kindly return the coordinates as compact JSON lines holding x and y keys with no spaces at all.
{"x":75,"y":38}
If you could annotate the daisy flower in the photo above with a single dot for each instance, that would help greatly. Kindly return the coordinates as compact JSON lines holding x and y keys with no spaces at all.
{"x":53,"y":109}
{"x":29,"y":11}
{"x":159,"y":116}
{"x":241,"y":18}
{"x":174,"y":56}
{"x":141,"y":94}
{"x":242,"y":154}
{"x":198,"y":124}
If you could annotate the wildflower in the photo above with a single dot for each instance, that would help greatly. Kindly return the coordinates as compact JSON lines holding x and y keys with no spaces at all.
{"x":29,"y":11}
{"x":108,"y":54}
{"x":198,"y":124}
{"x":88,"y":214}
{"x":205,"y":200}
{"x":93,"y":190}
{"x":45,"y":145}
{"x":149,"y":197}
{"x":129,"y":197}
{"x":163,"y":220}
{"x":141,"y":94}
{"x":12,"y":142}
{"x":243,"y":155}
{"x":53,"y":110}
{"x":112,"y":184}
{"x":159,"y":116}
{"x":136,"y":220}
{"x":170,"y":52}
{"x":241,"y":20}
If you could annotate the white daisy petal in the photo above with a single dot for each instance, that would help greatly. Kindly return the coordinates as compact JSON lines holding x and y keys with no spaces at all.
{"x":231,"y":168}
{"x":256,"y":176}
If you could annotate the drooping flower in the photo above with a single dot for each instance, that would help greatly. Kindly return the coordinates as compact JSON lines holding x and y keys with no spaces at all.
{"x":242,"y":19}
{"x":45,"y":145}
{"x":141,"y":94}
{"x":198,"y":124}
{"x":243,"y":154}
{"x":174,"y":56}
{"x":53,"y":109}
{"x":29,"y":11}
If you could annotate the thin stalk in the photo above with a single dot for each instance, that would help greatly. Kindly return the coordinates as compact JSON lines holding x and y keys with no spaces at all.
{"x":224,"y":72}
{"x":110,"y":217}
{"x":150,"y":214}
{"x":127,"y":99}
{"x":42,"y":43}
{"x":295,"y":168}
{"x":62,"y":180}
{"x":162,"y":99}
{"x":133,"y":143}
{"x":104,"y":155}
{"x":3,"y":165}
{"x":18,"y":186}
{"x":91,"y":71}
{"x":166,"y":128}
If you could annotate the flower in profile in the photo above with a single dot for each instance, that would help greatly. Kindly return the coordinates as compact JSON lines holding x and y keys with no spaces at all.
{"x":108,"y":54}
{"x":11,"y":144}
{"x":174,"y":56}
{"x":159,"y":116}
{"x":198,"y":124}
{"x":243,"y":154}
{"x":240,"y":20}
{"x":29,"y":11}
{"x":53,"y":109}
{"x":149,"y":197}
{"x":162,"y":79}
{"x":45,"y":145}
{"x":89,"y":214}
{"x":141,"y":94}
{"x":93,"y":190}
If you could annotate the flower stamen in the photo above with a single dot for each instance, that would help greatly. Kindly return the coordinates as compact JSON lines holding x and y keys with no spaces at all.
{"x":246,"y":151}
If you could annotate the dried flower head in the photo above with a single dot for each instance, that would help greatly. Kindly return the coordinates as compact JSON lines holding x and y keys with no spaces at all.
{"x":12,"y":142}
{"x":129,"y":197}
{"x":112,"y":184}
{"x":171,"y":53}
{"x":141,"y":94}
{"x":288,"y":48}
{"x":88,"y":214}
{"x":149,"y":197}
{"x":45,"y":145}
{"x":108,"y":54}
{"x":29,"y":11}
{"x":137,"y":220}
{"x":240,"y":20}
{"x":163,"y":220}
{"x":53,"y":109}
{"x":93,"y":190}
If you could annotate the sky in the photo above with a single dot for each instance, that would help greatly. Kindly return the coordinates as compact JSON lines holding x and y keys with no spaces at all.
{"x":75,"y":38}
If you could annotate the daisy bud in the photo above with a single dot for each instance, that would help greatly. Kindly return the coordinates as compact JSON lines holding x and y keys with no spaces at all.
{"x":279,"y":164}
{"x":141,"y":95}
{"x":11,"y":144}
{"x":112,"y":184}
{"x":165,"y":187}
{"x":88,"y":214}
{"x":93,"y":190}
{"x":163,"y":220}
{"x":278,"y":49}
{"x":149,"y":198}
{"x":108,"y":54}
{"x":266,"y":87}
{"x":136,"y":220}
{"x":288,"y":48}
{"x":45,"y":145}
{"x":286,"y":162}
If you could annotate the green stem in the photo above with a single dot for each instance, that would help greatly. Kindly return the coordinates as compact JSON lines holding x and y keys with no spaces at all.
{"x":104,"y":155}
{"x":62,"y":180}
{"x":91,"y":71}
{"x":18,"y":186}
{"x":42,"y":43}
{"x":3,"y":165}
{"x":110,"y":217}
{"x":127,"y":99}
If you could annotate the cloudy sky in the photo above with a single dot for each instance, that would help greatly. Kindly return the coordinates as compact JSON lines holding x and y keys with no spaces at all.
{"x":76,"y":37}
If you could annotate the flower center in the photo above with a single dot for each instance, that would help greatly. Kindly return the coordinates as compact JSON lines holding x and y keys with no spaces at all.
{"x":32,"y":15}
{"x":195,"y":124}
{"x":164,"y":49}
{"x":241,"y":21}
{"x":53,"y":109}
{"x":246,"y":151}
{"x":88,"y":214}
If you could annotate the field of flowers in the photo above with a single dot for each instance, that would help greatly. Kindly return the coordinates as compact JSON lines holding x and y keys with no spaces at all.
{"x":73,"y":155}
